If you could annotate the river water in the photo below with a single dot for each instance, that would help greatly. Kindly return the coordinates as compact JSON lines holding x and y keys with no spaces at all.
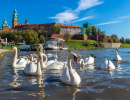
{"x":96,"y":83}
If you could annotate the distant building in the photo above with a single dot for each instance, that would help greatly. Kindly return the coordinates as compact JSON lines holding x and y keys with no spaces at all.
{"x":85,"y":26}
{"x":71,"y":29}
{"x":5,"y":25}
{"x":15,"y":20}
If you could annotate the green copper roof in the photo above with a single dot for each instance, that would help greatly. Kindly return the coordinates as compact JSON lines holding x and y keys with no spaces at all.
{"x":0,"y":28}
{"x":4,"y":22}
{"x":15,"y":16}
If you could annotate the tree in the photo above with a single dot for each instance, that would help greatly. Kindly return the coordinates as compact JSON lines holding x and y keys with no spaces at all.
{"x":94,"y":30}
{"x":31,"y":37}
{"x":42,"y":39}
{"x":56,"y":29}
{"x":99,"y":32}
{"x":88,"y":31}
{"x":122,"y":40}
{"x":67,"y":36}
{"x":115,"y":38}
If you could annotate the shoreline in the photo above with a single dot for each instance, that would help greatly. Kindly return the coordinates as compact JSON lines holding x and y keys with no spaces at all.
{"x":3,"y":52}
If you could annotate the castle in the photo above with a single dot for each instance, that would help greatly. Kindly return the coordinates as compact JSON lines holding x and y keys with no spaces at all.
{"x":71,"y":29}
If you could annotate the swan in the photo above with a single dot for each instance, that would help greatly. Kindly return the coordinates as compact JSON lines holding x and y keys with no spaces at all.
{"x":88,"y":61}
{"x":117,"y":57}
{"x":21,"y":62}
{"x":70,"y":76}
{"x":34,"y":69}
{"x":108,"y":65}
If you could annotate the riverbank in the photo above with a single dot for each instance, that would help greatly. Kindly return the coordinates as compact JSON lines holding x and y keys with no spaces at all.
{"x":3,"y":52}
{"x":89,"y":44}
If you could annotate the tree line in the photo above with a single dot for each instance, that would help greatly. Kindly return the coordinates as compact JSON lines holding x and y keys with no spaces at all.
{"x":30,"y":36}
{"x":94,"y":31}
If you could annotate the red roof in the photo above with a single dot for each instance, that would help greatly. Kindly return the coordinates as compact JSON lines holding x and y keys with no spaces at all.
{"x":69,"y":26}
{"x":31,"y":26}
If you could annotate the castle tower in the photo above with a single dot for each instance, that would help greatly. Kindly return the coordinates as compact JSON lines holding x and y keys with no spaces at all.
{"x":26,"y":22}
{"x":15,"y":19}
{"x":4,"y":25}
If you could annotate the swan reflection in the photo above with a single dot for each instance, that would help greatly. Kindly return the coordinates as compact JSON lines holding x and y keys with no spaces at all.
{"x":73,"y":91}
{"x":16,"y":76}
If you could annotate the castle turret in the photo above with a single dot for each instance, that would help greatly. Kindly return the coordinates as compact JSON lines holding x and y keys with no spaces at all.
{"x":26,"y":22}
{"x":4,"y":25}
{"x":15,"y":19}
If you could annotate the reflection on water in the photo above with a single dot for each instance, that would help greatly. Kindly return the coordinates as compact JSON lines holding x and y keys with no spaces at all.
{"x":96,"y":83}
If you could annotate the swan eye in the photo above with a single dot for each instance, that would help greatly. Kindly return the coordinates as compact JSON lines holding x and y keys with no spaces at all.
{"x":75,"y":57}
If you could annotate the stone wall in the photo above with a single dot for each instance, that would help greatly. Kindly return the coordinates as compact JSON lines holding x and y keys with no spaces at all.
{"x":112,"y":45}
{"x":71,"y":30}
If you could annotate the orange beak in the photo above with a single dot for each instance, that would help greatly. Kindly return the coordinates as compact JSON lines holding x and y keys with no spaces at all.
{"x":11,"y":49}
{"x":40,"y":59}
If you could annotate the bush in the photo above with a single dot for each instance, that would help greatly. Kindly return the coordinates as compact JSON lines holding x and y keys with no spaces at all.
{"x":96,"y":44}
{"x":110,"y":40}
{"x":87,"y":43}
{"x":100,"y":44}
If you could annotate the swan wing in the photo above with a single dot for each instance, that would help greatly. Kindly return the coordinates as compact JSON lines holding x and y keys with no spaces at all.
{"x":30,"y":68}
{"x":65,"y":76}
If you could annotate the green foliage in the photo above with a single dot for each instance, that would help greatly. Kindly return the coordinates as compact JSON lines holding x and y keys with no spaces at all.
{"x":87,"y":43}
{"x":103,"y":40}
{"x":56,"y":29}
{"x":122,"y":40}
{"x":42,"y":39}
{"x":115,"y":38}
{"x":100,"y":44}
{"x":31,"y":37}
{"x":88,"y":31}
{"x":110,"y":40}
{"x":99,"y":32}
{"x":94,"y":30}
{"x":96,"y":44}
{"x":67,"y":36}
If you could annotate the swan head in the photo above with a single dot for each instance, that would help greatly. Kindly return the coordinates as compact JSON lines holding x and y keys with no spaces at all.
{"x":73,"y":56}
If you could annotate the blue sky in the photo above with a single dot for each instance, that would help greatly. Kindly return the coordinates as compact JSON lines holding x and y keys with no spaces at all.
{"x":111,"y":16}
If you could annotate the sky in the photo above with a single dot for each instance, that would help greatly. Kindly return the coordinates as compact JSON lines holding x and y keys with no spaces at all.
{"x":111,"y":16}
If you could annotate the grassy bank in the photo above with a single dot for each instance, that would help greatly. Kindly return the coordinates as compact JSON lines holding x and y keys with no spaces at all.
{"x":81,"y":44}
{"x":125,"y":46}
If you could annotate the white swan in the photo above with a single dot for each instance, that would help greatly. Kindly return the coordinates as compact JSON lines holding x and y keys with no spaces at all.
{"x":108,"y":65}
{"x":34,"y":69}
{"x":117,"y":57}
{"x":69,"y":75}
{"x":88,"y":61}
{"x":21,"y":62}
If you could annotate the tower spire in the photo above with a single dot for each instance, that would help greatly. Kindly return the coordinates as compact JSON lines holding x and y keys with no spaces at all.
{"x":15,"y":19}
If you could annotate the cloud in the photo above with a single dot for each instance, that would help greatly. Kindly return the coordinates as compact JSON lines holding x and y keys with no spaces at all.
{"x":108,"y":23}
{"x":64,"y":17}
{"x":85,"y":4}
{"x":70,"y":15}
{"x":124,"y":17}
{"x":85,"y":18}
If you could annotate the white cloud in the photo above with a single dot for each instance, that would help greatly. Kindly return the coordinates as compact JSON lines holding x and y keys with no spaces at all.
{"x":108,"y":23}
{"x":64,"y":17}
{"x":85,"y":18}
{"x":85,"y":4}
{"x":124,"y":17}
{"x":70,"y":15}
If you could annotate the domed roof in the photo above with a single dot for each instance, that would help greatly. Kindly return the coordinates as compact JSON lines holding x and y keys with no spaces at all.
{"x":15,"y":16}
{"x":4,"y":22}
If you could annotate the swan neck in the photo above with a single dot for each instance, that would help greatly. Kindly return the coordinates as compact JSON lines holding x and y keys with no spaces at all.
{"x":38,"y":72}
{"x":69,"y":63}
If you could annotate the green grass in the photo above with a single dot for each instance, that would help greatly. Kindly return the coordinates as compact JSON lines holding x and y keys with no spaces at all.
{"x":125,"y":46}
{"x":80,"y":44}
